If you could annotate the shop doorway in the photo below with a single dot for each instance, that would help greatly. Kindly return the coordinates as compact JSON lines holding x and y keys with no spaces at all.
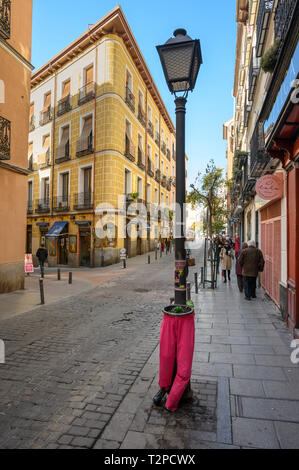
{"x":84,"y":248}
{"x":62,"y":250}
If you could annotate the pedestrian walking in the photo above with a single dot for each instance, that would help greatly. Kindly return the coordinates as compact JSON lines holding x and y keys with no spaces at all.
{"x":238,"y":267}
{"x":162,"y":246}
{"x":252,"y":262}
{"x":219,"y":243}
{"x":42,"y":255}
{"x":237,"y":243}
{"x":226,"y":256}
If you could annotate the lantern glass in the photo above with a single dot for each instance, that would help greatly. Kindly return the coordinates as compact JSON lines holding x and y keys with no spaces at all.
{"x":181,"y":60}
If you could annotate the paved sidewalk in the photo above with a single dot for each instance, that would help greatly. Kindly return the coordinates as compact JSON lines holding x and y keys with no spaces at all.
{"x":246,"y":389}
{"x":83,"y":279}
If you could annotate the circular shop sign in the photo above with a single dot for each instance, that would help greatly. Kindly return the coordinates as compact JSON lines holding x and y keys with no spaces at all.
{"x":269,"y":187}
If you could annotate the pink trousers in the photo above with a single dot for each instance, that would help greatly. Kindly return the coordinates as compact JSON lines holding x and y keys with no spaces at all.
{"x":176,"y":342}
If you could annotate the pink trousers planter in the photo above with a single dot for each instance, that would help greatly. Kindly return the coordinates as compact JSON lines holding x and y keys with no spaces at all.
{"x":176,"y":342}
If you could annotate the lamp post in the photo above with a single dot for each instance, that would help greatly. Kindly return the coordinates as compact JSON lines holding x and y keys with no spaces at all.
{"x":181,"y":59}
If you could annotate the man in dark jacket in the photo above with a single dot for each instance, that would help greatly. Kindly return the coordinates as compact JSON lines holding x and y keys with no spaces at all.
{"x":252,"y":261}
{"x":42,"y":255}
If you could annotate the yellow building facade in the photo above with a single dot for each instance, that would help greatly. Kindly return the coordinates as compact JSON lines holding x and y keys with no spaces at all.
{"x":101,"y":140}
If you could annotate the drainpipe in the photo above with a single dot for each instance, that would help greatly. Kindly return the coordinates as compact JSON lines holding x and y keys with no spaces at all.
{"x":92,"y":235}
{"x":53,"y":141}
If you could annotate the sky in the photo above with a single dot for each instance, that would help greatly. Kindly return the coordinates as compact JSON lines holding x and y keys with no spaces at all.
{"x":58,"y":22}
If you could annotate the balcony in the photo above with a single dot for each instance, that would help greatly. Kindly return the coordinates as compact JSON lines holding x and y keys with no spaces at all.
{"x":173,"y":181}
{"x":130,"y":99}
{"x":63,"y":153}
{"x":86,"y":93}
{"x":61,"y":204}
{"x":258,"y":155}
{"x":45,"y":116}
{"x":150,"y":129}
{"x":254,"y":70}
{"x":43,"y":206}
{"x":174,"y":155}
{"x":168,"y":184}
{"x":83,"y":201}
{"x":262,"y":24}
{"x":64,"y":105}
{"x":150,"y":170}
{"x":283,"y":16}
{"x":157,"y":138}
{"x":129,"y":149}
{"x":240,"y":159}
{"x":163,"y":148}
{"x":5,"y":15}
{"x":168,"y":154}
{"x":158,"y":176}
{"x":30,"y":207}
{"x":141,"y":115}
{"x":31,"y":124}
{"x":141,"y":159}
{"x":4,"y":139}
{"x":164,"y":181}
{"x":84,"y":146}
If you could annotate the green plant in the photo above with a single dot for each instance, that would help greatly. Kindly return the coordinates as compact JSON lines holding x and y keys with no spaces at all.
{"x":269,"y":59}
{"x":134,"y":195}
{"x":177,"y":310}
{"x":190,"y":304}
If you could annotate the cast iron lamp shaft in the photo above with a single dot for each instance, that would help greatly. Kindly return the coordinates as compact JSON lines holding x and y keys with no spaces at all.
{"x":180,"y":252}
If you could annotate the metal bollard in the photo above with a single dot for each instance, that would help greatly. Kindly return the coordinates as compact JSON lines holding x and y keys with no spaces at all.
{"x":196,"y":283}
{"x":156,"y":254}
{"x":201,"y":275}
{"x":148,"y":259}
{"x":58,"y":274}
{"x":124,"y":264}
{"x":42,"y":272}
{"x":188,"y":291}
{"x":41,"y":288}
{"x":70,"y":277}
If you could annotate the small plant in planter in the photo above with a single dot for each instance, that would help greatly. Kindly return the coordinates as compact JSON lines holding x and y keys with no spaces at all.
{"x":134,"y":196}
{"x":177,"y":310}
{"x":270,"y":57}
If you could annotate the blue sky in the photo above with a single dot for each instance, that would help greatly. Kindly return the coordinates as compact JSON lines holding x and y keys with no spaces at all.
{"x":152,"y":23}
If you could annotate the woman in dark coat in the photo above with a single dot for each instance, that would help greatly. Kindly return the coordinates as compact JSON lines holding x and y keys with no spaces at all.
{"x":238,"y":267}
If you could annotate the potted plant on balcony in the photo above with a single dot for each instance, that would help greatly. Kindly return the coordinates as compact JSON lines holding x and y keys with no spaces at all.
{"x":269,"y":59}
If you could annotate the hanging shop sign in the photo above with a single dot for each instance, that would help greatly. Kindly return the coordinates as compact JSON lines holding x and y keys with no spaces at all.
{"x":180,"y":266}
{"x":269,"y":187}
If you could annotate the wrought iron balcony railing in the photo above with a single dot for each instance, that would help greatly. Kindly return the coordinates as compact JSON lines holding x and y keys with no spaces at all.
{"x":5,"y":16}
{"x":83,"y":200}
{"x":64,"y":105}
{"x":130,"y":99}
{"x":258,"y":154}
{"x":262,"y":24}
{"x":43,"y":205}
{"x":61,"y":203}
{"x":84,"y":145}
{"x":63,"y":152}
{"x":141,"y":159}
{"x":5,"y":130}
{"x":129,"y":149}
{"x":284,"y":13}
{"x":86,"y":93}
{"x":45,"y":116}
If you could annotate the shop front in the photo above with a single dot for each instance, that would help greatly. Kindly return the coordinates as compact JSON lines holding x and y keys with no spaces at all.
{"x":57,"y":244}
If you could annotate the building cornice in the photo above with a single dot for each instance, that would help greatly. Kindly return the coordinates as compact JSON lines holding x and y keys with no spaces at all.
{"x":113,"y":23}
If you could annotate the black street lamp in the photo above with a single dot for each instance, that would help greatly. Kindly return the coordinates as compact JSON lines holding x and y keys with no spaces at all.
{"x":181,"y":59}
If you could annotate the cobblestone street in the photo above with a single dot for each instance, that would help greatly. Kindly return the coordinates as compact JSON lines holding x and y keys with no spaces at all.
{"x":81,"y":372}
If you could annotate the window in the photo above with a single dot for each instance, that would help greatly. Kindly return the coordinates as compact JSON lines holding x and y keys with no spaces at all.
{"x":65,"y":186}
{"x":162,"y":198}
{"x":149,"y":113}
{"x":167,"y":201}
{"x":162,"y":167}
{"x":129,"y":81}
{"x":31,"y":117}
{"x":66,"y":88}
{"x":46,"y":189}
{"x":47,"y":102}
{"x":88,"y":75}
{"x":139,"y":187}
{"x":63,"y":150}
{"x":149,"y":192}
{"x":156,"y":196}
{"x":87,"y":180}
{"x":30,"y":193}
{"x":44,"y":158}
{"x":156,"y":161}
{"x":30,"y":156}
{"x":84,"y":144}
{"x":128,"y":177}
